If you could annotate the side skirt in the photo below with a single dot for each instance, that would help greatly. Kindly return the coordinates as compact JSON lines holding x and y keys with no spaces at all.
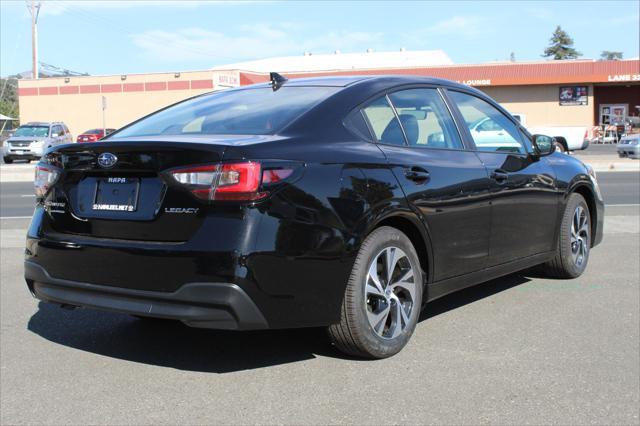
{"x":450,"y":285}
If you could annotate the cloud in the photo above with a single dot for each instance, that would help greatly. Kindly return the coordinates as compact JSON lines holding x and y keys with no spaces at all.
{"x":540,"y":13}
{"x":247,"y":42}
{"x":624,"y":19}
{"x":460,"y":25}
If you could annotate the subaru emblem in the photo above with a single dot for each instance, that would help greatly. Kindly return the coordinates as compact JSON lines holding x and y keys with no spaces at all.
{"x":107,"y":160}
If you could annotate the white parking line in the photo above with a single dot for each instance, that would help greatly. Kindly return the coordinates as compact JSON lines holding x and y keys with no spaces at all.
{"x":15,"y":217}
{"x":27,"y":195}
{"x":621,"y":205}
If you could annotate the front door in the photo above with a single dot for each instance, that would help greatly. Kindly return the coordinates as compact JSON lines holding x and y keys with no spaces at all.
{"x":524,"y":197}
{"x":443,"y":182}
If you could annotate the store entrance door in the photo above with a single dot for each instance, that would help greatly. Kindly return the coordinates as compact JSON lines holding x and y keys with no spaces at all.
{"x":613,"y":113}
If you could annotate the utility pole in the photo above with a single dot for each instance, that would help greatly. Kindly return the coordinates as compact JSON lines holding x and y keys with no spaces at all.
{"x":104,"y":117}
{"x":34,"y":10}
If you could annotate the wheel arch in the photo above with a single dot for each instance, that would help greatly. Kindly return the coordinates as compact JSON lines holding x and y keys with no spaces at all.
{"x":562,"y":141}
{"x":411,"y":225}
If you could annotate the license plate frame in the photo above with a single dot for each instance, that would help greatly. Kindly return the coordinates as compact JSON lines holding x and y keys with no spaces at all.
{"x":116,"y":194}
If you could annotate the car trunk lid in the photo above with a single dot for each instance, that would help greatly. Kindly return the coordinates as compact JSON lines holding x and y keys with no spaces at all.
{"x":119,"y":190}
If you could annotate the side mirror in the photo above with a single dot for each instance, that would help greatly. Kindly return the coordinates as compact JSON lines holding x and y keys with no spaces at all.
{"x":543,"y":145}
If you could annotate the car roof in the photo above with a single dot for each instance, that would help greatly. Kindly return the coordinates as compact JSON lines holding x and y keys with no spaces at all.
{"x":348,"y":80}
{"x":42,"y":123}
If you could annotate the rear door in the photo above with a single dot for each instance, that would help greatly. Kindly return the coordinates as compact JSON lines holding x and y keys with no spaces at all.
{"x":443,"y":182}
{"x":523,"y":187}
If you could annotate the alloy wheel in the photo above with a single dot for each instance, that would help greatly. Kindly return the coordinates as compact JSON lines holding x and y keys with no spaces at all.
{"x":390,"y":292}
{"x":579,"y":236}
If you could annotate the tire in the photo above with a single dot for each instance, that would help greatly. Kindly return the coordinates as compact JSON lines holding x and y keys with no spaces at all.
{"x":371,"y":309}
{"x":572,"y":254}
{"x":7,"y":160}
{"x":560,"y":147}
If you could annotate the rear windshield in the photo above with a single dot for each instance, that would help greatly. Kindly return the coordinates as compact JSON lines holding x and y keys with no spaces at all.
{"x":38,"y":131}
{"x":94,"y":132}
{"x":257,"y":111}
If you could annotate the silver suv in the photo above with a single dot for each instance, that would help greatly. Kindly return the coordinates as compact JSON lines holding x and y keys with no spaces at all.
{"x":30,"y":140}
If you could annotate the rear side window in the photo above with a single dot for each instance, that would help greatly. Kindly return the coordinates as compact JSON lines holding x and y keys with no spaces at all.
{"x":358,"y":125}
{"x":383,"y":122}
{"x":425,"y":118}
{"x":258,"y":111}
{"x":490,"y":129}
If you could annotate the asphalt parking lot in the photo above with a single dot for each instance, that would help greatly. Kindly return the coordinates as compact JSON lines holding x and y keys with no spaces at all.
{"x":517,"y":350}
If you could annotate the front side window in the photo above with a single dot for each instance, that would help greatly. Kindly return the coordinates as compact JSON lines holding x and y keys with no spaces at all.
{"x":258,"y":111}
{"x":490,"y":129}
{"x":383,"y":122}
{"x":425,"y":118}
{"x":35,"y":131}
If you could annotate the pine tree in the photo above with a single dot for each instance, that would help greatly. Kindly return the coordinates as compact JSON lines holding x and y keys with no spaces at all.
{"x":561,"y":46}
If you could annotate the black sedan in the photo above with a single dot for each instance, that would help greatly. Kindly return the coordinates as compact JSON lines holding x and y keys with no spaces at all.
{"x":344,"y":202}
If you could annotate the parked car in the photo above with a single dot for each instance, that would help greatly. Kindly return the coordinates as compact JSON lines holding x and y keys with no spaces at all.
{"x":487,"y":133}
{"x":344,"y":202}
{"x":629,"y":146}
{"x":568,"y":138}
{"x":93,"y":135}
{"x":30,"y":140}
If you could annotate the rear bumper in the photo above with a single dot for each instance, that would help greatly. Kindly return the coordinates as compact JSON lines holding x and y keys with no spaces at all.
{"x":204,"y":305}
{"x":585,"y":144}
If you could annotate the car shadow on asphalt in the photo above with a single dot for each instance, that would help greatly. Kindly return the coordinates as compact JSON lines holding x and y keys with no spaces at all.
{"x":171,"y":344}
{"x":473,"y":294}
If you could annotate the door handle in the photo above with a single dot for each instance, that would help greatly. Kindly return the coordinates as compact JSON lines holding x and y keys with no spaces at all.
{"x":499,"y":176}
{"x":417,"y":174}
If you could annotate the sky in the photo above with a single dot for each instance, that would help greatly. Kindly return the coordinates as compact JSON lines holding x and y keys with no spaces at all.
{"x":123,"y":37}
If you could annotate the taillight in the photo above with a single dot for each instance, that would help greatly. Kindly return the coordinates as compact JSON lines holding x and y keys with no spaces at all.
{"x":87,"y":138}
{"x":45,"y":177}
{"x":239,"y":181}
{"x":275,"y":175}
{"x":231,"y":181}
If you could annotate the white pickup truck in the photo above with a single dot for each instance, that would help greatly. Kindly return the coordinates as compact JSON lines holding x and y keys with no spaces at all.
{"x":568,"y":138}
